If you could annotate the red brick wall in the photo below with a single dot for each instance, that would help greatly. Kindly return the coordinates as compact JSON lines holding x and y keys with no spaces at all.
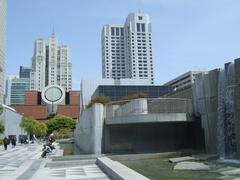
{"x":31,"y":98}
{"x":37,"y":112}
{"x":74,"y":97}
{"x":69,"y":110}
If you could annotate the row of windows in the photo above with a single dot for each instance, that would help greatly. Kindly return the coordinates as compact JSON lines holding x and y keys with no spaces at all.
{"x":143,"y":71}
{"x":116,"y":64}
{"x":115,"y":37}
{"x":140,"y":45}
{"x":117,"y":31}
{"x":116,"y":57}
{"x":115,"y":42}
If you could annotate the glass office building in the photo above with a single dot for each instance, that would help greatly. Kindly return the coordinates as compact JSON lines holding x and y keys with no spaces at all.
{"x":115,"y":93}
{"x":24,"y":72}
{"x":15,"y":90}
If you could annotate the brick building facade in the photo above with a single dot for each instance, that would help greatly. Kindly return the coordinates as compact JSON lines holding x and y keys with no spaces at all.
{"x":36,"y":108}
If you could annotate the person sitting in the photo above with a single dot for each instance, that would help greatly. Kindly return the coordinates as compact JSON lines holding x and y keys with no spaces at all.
{"x":51,"y":138}
{"x":46,"y":149}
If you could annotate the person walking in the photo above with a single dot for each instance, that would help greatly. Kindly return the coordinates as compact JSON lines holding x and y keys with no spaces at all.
{"x":5,"y":143}
{"x":13,"y":141}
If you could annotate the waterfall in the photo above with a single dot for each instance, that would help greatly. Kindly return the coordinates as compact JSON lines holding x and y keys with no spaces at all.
{"x":225,"y":122}
{"x":221,"y":114}
{"x":229,"y":124}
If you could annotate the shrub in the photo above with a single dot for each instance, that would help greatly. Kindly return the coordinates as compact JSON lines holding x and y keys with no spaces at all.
{"x":1,"y":141}
{"x":63,"y":133}
{"x":32,"y":126}
{"x":2,"y":128}
{"x":59,"y":122}
{"x":134,"y":96}
{"x":101,"y":99}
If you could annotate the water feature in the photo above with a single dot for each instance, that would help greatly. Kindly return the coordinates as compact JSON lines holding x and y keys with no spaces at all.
{"x":225,"y":123}
{"x":221,"y":114}
{"x":69,"y":148}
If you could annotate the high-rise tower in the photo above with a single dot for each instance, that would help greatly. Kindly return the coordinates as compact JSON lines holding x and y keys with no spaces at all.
{"x":3,"y":5}
{"x":127,"y":50}
{"x":50,"y":65}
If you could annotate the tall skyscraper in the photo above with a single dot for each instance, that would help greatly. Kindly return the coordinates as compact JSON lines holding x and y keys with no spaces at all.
{"x":127,"y":49}
{"x":3,"y":5}
{"x":50,"y":65}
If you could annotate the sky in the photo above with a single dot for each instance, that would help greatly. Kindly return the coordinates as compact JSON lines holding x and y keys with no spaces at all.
{"x":186,"y":35}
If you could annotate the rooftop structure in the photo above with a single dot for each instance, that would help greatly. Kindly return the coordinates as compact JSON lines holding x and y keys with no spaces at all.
{"x":184,"y":80}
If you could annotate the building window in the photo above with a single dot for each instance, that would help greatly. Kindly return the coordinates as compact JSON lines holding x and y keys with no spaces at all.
{"x":112,"y":31}
{"x":122,"y":31}
{"x":140,"y":17}
{"x":117,"y":31}
{"x":143,"y":27}
{"x":138,"y":27}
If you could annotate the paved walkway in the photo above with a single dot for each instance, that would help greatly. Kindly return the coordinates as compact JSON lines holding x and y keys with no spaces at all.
{"x":23,"y":163}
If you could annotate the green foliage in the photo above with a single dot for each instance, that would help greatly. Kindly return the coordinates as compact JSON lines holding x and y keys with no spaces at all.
{"x":63,"y":133}
{"x":1,"y":141}
{"x":41,"y":129}
{"x":32,"y":126}
{"x":134,"y":96}
{"x":101,"y":99}
{"x":2,"y":128}
{"x":1,"y":108}
{"x":60,"y":122}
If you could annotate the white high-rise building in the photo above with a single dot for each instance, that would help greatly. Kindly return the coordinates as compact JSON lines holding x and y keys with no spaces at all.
{"x":3,"y":5}
{"x":127,"y":49}
{"x":50,"y":65}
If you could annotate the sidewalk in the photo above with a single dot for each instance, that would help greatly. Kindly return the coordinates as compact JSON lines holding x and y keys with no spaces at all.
{"x":23,"y":163}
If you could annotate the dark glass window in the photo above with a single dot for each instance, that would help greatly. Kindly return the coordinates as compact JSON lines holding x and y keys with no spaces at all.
{"x":138,"y":27}
{"x":112,"y":31}
{"x":122,"y":31}
{"x":117,"y":31}
{"x":143,"y":27}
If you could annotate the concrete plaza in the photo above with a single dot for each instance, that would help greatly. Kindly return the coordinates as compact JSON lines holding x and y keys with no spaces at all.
{"x":23,"y":162}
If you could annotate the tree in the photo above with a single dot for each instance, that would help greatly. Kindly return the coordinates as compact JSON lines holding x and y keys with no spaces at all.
{"x":41,"y":129}
{"x":33,"y":127}
{"x":60,"y":122}
{"x":2,"y":128}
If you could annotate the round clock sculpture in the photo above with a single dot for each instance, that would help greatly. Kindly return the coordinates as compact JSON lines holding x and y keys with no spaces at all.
{"x":53,"y":94}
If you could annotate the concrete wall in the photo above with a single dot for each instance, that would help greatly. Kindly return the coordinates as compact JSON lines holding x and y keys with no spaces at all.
{"x":149,"y":118}
{"x":170,"y":105}
{"x":129,"y":127}
{"x":205,"y":95}
{"x":136,"y":106}
{"x":237,"y":104}
{"x":182,"y":93}
{"x":88,"y":132}
{"x":11,"y":120}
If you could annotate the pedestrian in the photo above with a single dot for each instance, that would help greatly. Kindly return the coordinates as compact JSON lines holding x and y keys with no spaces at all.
{"x":5,"y":142}
{"x":13,"y":141}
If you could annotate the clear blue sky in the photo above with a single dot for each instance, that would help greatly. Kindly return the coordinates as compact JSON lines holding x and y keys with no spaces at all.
{"x":186,"y":34}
